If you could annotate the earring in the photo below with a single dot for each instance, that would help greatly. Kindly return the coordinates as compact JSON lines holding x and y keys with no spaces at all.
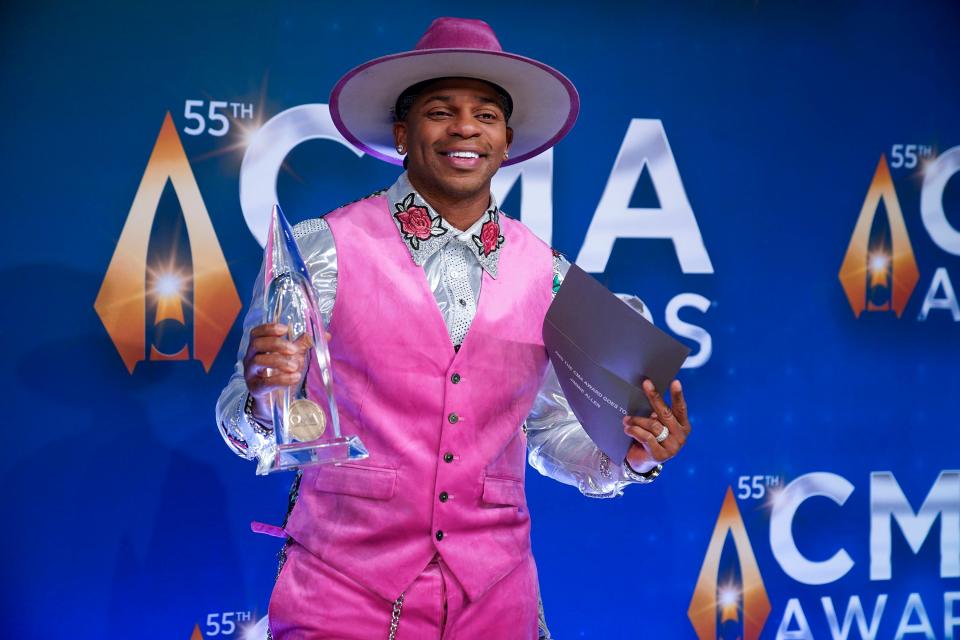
{"x":400,"y":149}
{"x":506,"y":154}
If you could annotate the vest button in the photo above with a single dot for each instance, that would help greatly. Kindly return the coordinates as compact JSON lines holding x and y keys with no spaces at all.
{"x":439,"y":536}
{"x":453,"y":418}
{"x":455,"y":378}
{"x":444,"y":496}
{"x":448,"y":457}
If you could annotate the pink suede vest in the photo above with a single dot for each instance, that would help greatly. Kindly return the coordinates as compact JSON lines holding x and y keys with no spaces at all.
{"x":434,"y":420}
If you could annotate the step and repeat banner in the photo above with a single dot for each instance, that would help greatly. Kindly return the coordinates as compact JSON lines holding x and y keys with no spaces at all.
{"x":778,"y":182}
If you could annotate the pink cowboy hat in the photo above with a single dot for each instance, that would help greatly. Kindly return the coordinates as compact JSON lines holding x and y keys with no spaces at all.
{"x":545,"y":102}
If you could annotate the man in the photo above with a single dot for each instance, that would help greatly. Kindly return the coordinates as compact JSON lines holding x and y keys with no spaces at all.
{"x":435,"y":302}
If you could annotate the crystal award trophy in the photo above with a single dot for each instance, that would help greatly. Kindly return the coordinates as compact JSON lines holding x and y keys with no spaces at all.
{"x":306,"y":429}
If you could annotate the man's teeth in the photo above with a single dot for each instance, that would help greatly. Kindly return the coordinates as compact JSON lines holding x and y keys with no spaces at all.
{"x":463,"y":154}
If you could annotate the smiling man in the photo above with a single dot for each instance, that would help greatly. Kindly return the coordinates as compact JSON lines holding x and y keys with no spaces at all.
{"x":435,"y":301}
{"x":455,"y":135}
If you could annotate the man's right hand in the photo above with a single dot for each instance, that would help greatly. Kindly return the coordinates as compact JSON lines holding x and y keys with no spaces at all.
{"x":272,"y":362}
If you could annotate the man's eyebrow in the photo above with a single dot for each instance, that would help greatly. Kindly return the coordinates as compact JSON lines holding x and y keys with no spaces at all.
{"x":441,"y":98}
{"x":448,"y":99}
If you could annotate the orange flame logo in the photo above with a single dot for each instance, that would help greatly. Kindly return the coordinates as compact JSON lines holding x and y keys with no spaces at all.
{"x":121,"y":303}
{"x":705,"y":604}
{"x":890,"y":265}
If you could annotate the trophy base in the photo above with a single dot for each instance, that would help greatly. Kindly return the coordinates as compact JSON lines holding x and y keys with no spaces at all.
{"x":304,"y":454}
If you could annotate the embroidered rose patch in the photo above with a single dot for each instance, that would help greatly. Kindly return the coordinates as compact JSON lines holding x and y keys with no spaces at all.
{"x":416,"y":223}
{"x":489,"y":239}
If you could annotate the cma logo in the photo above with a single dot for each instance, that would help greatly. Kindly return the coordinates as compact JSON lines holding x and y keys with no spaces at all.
{"x":644,"y":146}
{"x":879,"y":271}
{"x":180,"y":288}
{"x":731,"y":602}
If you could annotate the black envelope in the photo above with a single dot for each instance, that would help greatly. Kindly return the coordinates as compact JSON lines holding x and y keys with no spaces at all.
{"x":602,"y":350}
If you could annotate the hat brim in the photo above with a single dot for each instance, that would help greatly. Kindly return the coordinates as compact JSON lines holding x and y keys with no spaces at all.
{"x":545,"y":102}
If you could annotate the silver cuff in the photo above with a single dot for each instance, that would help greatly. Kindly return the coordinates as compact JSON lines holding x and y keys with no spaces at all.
{"x":263,"y":430}
{"x":642,"y":478}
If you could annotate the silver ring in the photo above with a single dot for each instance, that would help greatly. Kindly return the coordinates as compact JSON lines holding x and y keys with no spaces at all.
{"x":663,"y":434}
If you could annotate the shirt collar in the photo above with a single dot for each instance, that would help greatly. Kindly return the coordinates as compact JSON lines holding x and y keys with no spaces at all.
{"x":425,"y":232}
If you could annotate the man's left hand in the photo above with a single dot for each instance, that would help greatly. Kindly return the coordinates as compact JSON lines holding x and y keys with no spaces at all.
{"x":645,"y":452}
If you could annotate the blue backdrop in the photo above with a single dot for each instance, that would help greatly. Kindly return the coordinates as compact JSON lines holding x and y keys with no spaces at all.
{"x":764,"y":132}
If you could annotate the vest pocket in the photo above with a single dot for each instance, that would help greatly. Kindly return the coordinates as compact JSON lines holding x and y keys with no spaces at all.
{"x":502,"y":491}
{"x":355,"y":480}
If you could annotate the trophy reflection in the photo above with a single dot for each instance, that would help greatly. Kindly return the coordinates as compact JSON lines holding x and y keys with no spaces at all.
{"x":306,"y":428}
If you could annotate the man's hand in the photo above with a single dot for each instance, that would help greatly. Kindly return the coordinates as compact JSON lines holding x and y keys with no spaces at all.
{"x":272,"y":362}
{"x":645,"y":452}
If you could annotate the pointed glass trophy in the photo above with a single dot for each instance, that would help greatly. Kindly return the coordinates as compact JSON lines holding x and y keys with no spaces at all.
{"x":306,"y":428}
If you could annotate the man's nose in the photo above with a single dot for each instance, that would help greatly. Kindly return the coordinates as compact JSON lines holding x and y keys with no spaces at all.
{"x":464,"y":125}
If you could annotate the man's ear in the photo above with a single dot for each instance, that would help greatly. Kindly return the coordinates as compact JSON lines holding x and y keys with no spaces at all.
{"x":400,"y":134}
{"x":509,"y":137}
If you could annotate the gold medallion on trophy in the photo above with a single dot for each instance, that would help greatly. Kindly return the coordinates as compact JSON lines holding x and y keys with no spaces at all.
{"x":306,"y":420}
